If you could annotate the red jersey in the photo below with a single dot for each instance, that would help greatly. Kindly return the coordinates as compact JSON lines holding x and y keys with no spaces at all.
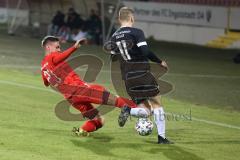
{"x":57,"y":72}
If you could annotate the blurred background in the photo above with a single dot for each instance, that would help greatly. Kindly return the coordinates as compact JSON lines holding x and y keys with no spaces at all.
{"x":202,"y":22}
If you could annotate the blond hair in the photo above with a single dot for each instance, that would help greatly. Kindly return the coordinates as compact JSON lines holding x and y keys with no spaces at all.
{"x":125,"y":14}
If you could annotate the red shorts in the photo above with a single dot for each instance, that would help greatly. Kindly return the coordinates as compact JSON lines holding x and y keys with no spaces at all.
{"x":81,"y":96}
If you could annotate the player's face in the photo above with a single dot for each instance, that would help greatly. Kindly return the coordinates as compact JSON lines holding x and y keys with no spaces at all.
{"x":53,"y":47}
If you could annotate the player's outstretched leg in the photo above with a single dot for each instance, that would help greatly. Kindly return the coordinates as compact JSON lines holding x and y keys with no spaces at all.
{"x":99,"y":95}
{"x":125,"y":109}
{"x":125,"y":105}
{"x":139,"y":111}
{"x":120,"y":102}
{"x":123,"y":116}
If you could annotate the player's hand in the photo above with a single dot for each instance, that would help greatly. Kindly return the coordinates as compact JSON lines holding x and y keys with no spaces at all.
{"x":80,"y":42}
{"x":164,"y":64}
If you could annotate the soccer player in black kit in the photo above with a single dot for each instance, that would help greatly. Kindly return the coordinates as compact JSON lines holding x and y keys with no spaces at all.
{"x":130,"y":48}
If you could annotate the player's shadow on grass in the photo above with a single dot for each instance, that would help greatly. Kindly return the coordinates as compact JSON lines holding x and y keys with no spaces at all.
{"x":174,"y":152}
{"x":101,"y":145}
{"x":105,"y":149}
{"x":97,"y":144}
{"x":102,"y":138}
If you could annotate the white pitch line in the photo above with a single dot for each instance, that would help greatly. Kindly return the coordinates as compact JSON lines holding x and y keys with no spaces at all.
{"x":108,"y":71}
{"x":26,"y":86}
{"x":48,"y":90}
{"x":216,"y":123}
{"x":19,"y":66}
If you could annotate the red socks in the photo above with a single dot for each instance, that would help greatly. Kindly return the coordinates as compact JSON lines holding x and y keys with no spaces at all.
{"x":120,"y":102}
{"x":92,"y":125}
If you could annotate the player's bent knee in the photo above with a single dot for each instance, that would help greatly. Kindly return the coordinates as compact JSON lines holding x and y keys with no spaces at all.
{"x":91,"y":114}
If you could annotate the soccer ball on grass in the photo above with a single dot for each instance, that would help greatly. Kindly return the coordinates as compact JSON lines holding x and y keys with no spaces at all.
{"x":144,"y":126}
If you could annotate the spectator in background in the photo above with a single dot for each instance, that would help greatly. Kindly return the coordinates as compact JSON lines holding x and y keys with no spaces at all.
{"x":74,"y":20}
{"x":94,"y":26}
{"x":76,"y":28}
{"x":73,"y":25}
{"x":57,"y":23}
{"x":64,"y":33}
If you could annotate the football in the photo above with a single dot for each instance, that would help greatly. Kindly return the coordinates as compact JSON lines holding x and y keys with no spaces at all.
{"x":144,"y":126}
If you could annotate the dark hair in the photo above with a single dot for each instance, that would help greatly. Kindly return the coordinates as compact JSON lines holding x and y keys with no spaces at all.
{"x":49,"y":39}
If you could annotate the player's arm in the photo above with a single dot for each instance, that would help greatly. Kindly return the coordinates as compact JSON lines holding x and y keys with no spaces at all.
{"x":64,"y":55}
{"x":151,"y":56}
{"x":142,"y":44}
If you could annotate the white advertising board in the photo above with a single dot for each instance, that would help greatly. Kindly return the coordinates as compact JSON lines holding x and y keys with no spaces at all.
{"x":198,"y":15}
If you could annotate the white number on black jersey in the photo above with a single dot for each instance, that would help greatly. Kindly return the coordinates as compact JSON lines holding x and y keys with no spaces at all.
{"x":122,"y":46}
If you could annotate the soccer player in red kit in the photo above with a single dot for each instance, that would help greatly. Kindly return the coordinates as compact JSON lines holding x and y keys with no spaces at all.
{"x":57,"y":73}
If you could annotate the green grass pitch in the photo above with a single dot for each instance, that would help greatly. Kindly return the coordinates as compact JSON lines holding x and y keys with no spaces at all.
{"x":206,"y":84}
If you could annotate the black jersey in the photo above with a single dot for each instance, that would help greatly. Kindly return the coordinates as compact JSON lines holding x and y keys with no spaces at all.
{"x":131,"y":49}
{"x":127,"y":42}
{"x":128,"y":45}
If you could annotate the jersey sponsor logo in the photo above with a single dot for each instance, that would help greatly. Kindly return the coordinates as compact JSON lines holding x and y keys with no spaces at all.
{"x":121,"y":32}
{"x":120,"y":36}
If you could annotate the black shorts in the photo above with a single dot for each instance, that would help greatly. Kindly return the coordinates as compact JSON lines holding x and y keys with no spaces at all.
{"x":141,"y":85}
